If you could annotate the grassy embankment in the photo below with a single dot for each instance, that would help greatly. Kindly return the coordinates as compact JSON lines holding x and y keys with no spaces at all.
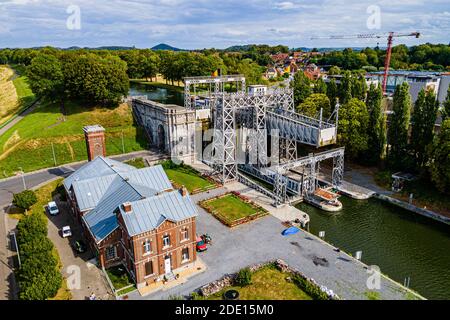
{"x":28,"y":144}
{"x":15,"y":94}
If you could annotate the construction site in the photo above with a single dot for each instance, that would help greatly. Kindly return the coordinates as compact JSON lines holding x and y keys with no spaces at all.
{"x":249,"y":134}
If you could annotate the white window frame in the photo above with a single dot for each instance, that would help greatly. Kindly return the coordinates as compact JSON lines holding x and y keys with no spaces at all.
{"x":167,"y":237}
{"x":147,"y":245}
{"x":183,"y":259}
{"x":184,"y":234}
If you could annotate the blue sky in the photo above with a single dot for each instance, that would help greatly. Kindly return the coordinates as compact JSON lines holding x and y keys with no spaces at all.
{"x":192,"y":24}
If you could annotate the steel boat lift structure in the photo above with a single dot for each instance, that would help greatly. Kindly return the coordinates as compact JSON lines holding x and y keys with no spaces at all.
{"x":268,"y":112}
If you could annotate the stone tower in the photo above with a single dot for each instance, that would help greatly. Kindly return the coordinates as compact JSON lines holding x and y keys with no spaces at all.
{"x":95,"y":141}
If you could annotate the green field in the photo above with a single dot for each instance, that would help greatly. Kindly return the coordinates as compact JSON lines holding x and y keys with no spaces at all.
{"x":268,"y":283}
{"x":230,"y":207}
{"x":28,"y":144}
{"x":188,"y":177}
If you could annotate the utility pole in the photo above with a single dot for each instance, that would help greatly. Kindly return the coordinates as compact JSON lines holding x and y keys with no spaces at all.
{"x":123,"y":144}
{"x":23,"y":178}
{"x":54,"y":156}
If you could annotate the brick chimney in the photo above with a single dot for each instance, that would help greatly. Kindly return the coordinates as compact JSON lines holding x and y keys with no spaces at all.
{"x":126,"y":207}
{"x":95,"y":141}
{"x":183,"y":191}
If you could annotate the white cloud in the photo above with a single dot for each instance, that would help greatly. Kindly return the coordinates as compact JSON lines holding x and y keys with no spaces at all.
{"x":203,"y":23}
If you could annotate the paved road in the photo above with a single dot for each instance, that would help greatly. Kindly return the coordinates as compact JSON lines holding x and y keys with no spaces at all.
{"x":13,"y":185}
{"x":261,"y":241}
{"x":19,"y":117}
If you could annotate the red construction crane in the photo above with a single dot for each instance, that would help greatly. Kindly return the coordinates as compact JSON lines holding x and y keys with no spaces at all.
{"x":390,"y":37}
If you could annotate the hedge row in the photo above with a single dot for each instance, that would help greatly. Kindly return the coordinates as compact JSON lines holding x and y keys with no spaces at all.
{"x":39,"y":275}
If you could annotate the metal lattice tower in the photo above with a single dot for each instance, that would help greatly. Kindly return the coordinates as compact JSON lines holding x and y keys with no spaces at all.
{"x":224,"y":147}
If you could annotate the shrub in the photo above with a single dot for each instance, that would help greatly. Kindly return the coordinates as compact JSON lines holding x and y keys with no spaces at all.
{"x":244,"y":277}
{"x":39,"y":276}
{"x":310,"y":288}
{"x":25,"y":199}
{"x":31,"y":227}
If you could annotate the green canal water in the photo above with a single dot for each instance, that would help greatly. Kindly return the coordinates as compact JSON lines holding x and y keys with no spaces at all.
{"x":401,"y":243}
{"x":162,"y":95}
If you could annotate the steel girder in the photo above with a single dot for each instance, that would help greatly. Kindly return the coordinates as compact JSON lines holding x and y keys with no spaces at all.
{"x":218,"y":83}
{"x":224,"y":142}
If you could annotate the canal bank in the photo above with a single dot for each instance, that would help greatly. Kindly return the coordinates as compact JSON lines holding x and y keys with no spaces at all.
{"x":402,"y":244}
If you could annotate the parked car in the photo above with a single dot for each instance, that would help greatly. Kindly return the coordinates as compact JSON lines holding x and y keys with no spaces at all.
{"x":66,"y":232}
{"x":52,"y":208}
{"x":201,"y":245}
{"x":79,"y":246}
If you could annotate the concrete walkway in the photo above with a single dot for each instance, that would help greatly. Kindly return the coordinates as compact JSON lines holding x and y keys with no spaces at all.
{"x":260,"y":241}
{"x":19,"y":117}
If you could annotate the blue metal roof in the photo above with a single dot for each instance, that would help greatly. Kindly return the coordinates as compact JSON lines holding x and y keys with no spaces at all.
{"x":98,"y":167}
{"x":148,"y":214}
{"x":107,"y":193}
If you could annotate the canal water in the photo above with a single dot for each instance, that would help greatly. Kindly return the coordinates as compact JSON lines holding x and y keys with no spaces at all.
{"x":401,"y":243}
{"x":157,"y":94}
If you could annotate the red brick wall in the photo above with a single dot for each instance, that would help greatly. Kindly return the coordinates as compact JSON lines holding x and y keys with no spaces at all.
{"x":95,"y":144}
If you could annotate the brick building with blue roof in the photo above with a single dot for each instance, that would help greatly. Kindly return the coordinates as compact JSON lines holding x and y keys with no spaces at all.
{"x":134,"y":217}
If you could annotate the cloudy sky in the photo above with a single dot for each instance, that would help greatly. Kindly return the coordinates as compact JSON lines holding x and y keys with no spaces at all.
{"x":192,"y":24}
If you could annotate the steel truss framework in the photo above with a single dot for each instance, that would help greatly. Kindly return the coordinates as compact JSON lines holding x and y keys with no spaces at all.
{"x":272,"y":111}
{"x":216,"y":86}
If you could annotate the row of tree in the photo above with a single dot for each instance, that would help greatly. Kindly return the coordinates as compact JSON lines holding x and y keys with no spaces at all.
{"x":422,"y":57}
{"x":39,"y":275}
{"x":409,"y":142}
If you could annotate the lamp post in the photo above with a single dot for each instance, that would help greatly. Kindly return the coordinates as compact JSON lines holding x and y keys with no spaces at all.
{"x":23,"y":178}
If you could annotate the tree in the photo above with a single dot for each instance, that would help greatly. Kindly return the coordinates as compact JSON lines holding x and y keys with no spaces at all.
{"x":423,"y":121}
{"x":345,"y":88}
{"x":332,"y":93}
{"x":440,"y":155}
{"x":334,"y":70}
{"x":352,"y":127}
{"x":24,"y":199}
{"x":446,"y":106}
{"x":301,"y":86}
{"x":377,"y":125}
{"x":312,"y":105}
{"x":31,"y":227}
{"x":398,"y":127}
{"x":45,"y":76}
{"x":359,"y":87}
{"x":320,"y":86}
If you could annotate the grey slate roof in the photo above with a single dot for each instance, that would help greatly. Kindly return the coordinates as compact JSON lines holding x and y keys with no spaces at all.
{"x":149,"y":213}
{"x":106,"y":193}
{"x":98,"y":167}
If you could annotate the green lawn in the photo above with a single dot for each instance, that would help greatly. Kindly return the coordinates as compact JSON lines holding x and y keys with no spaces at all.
{"x":231,"y":207}
{"x":136,"y":162}
{"x":28,"y":144}
{"x":268,"y":283}
{"x":119,"y":277}
{"x":189,"y":178}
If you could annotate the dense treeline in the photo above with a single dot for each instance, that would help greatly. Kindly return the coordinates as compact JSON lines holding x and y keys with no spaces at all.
{"x":422,"y":57}
{"x":146,"y":63}
{"x":409,"y":143}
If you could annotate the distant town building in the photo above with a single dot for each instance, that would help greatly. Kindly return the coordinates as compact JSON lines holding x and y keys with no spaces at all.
{"x":312,"y":71}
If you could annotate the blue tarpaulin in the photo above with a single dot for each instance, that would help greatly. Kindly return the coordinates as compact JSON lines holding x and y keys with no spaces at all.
{"x":291,"y":230}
